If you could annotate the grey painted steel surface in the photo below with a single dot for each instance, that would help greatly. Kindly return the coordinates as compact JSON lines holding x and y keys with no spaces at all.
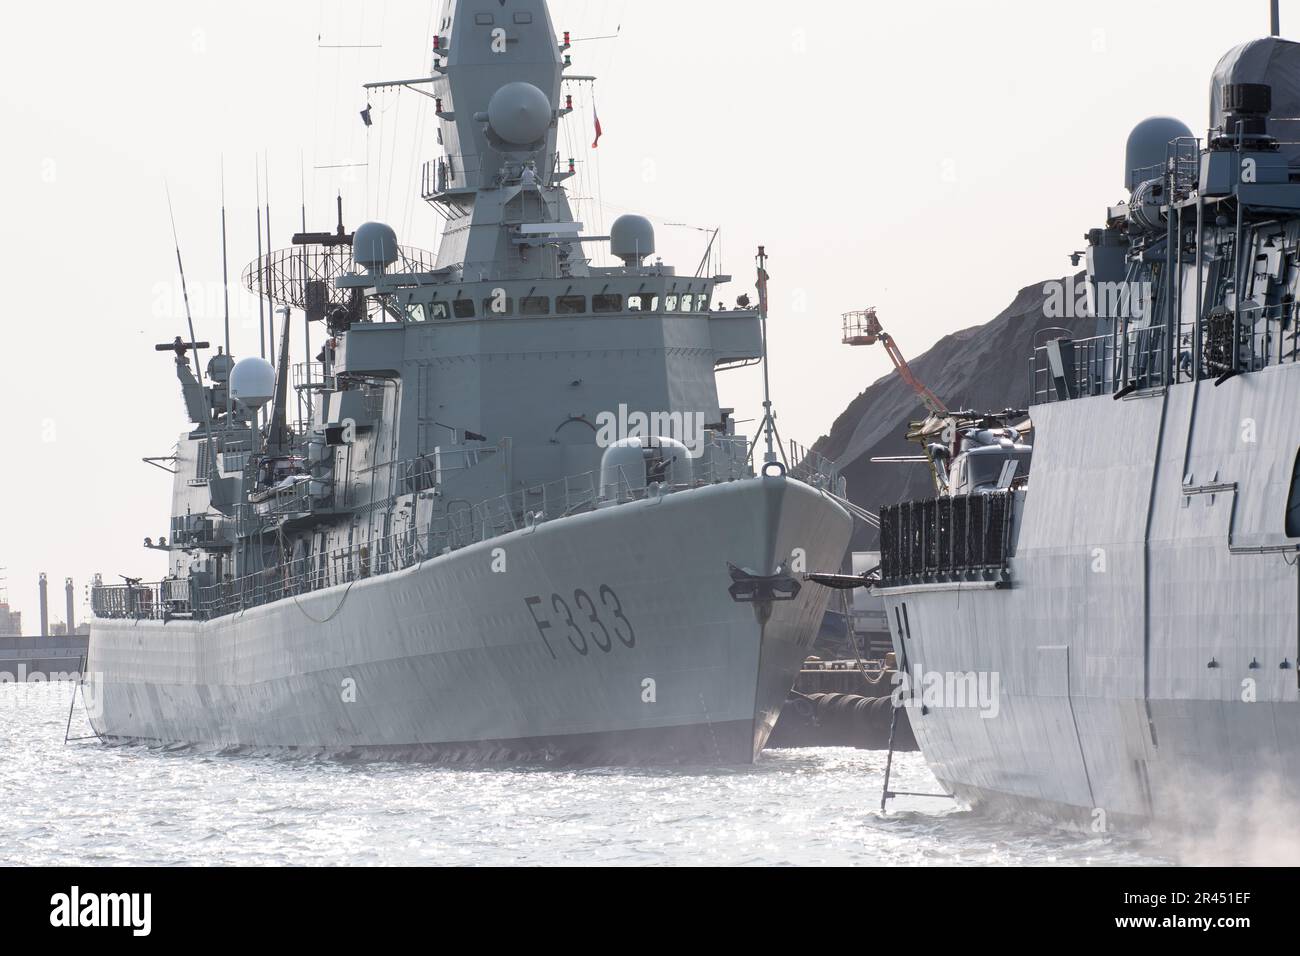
{"x":433,"y":561}
{"x":1147,"y":644}
{"x":446,"y":653}
{"x":1068,"y":641}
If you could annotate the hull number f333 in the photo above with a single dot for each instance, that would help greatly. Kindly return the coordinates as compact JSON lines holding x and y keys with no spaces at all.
{"x":586,"y":623}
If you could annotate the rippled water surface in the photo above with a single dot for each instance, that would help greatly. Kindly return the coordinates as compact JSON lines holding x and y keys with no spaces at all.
{"x":85,"y":803}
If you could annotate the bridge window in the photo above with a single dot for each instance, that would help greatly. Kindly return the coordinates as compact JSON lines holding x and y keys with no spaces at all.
{"x":643,"y":303}
{"x":670,"y":303}
{"x":535,"y":305}
{"x":688,"y":303}
{"x":438,"y":311}
{"x":417,"y":312}
{"x":463,"y":308}
{"x":571,"y":305}
{"x":1293,"y":503}
{"x":702,"y":302}
{"x":606,"y":303}
{"x":498,"y":306}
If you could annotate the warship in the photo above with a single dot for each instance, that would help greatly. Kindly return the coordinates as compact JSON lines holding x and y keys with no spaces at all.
{"x":1114,"y":633}
{"x":514,"y":522}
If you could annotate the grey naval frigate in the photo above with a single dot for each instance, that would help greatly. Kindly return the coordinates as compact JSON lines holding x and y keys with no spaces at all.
{"x":1115,"y":635}
{"x":496,"y":534}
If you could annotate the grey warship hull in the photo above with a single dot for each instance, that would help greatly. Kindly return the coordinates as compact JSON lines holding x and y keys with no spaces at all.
{"x":512,"y":519}
{"x":1137,"y":609}
{"x":1130,"y":609}
{"x":447,"y":660}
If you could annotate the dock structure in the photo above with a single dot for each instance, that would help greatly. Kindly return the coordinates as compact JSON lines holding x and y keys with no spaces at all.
{"x":58,"y":652}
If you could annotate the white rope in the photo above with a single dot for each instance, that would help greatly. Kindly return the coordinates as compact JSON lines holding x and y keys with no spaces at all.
{"x":862,"y":514}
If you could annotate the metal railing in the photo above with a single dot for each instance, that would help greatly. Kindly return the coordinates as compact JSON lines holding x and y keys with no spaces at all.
{"x":965,"y":538}
{"x":142,"y":601}
{"x":1181,"y":168}
{"x":813,"y":467}
{"x":460,"y":525}
{"x":1227,"y":345}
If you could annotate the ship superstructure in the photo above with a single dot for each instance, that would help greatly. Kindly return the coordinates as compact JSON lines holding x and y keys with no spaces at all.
{"x":1117,"y":636}
{"x":514,"y":520}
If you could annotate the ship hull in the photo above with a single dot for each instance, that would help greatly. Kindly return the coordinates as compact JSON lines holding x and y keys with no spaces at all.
{"x":1142,"y":660}
{"x":607,"y":637}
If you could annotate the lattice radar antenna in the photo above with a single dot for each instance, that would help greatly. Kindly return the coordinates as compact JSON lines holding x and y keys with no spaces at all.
{"x":303,"y":277}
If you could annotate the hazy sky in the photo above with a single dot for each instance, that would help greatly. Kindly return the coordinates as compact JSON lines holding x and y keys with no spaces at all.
{"x":929,"y":158}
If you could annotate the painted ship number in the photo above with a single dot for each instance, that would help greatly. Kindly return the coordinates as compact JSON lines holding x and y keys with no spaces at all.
{"x":583,"y":620}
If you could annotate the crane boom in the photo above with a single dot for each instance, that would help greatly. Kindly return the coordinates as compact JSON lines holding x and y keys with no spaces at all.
{"x":863,"y":328}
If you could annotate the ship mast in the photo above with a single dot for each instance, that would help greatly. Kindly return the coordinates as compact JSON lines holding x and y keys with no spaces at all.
{"x":771,"y":459}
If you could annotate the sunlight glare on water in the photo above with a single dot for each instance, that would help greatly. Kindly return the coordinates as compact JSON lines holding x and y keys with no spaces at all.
{"x":86,"y":803}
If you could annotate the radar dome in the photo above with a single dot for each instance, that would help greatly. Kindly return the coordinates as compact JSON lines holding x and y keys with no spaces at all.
{"x":1147,"y":146}
{"x":632,"y":238}
{"x":252,"y":382}
{"x":519,"y":113}
{"x":374,"y":246}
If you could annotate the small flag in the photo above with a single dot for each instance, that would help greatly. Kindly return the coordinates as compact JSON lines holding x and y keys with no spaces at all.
{"x":596,"y":113}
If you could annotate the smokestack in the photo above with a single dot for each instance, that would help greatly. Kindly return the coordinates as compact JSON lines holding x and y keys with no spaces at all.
{"x":1274,"y":21}
{"x":45,"y":607}
{"x":72,"y":627}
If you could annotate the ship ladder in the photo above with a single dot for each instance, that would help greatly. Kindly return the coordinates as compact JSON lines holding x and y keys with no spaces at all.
{"x":72,"y":705}
{"x":886,"y":794}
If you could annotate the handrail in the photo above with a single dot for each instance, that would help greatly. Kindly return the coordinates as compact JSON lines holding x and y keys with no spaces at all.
{"x":1264,"y":336}
{"x":452,"y":530}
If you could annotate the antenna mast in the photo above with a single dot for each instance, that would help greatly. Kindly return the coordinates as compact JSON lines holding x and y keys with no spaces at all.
{"x":261,"y":302}
{"x":1275,"y":25}
{"x":225,"y":283}
{"x":194,"y":343}
{"x":775,"y":455}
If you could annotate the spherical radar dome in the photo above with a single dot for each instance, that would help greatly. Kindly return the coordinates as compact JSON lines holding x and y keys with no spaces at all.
{"x":1147,"y":147}
{"x":519,"y":113}
{"x":252,"y":382}
{"x":374,"y":246}
{"x":632,"y":238}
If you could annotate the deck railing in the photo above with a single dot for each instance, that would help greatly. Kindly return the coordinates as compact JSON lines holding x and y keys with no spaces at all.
{"x":1139,"y":359}
{"x":460,"y":525}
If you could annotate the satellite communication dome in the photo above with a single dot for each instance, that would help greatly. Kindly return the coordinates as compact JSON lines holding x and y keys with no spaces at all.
{"x":252,"y":382}
{"x":632,"y":238}
{"x":1147,"y":148}
{"x":519,"y":113}
{"x":374,"y":246}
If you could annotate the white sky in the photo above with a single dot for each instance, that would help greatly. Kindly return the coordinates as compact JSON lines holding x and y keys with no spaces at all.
{"x":930,"y":158}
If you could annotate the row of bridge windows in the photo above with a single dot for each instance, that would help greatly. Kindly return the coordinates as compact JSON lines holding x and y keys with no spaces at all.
{"x":498,"y":306}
